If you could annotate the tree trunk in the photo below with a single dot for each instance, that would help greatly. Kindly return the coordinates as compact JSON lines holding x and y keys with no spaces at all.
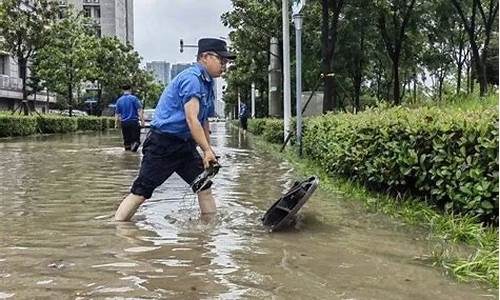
{"x":396,"y":87}
{"x":480,"y":70}
{"x":70,"y":99}
{"x":326,"y":61}
{"x":415,"y":89}
{"x":379,"y":83}
{"x":468,"y":78}
{"x":23,"y":65}
{"x":99,"y":98}
{"x":328,"y":37}
{"x":459,"y":78}
{"x":478,"y":60}
{"x":440,"y":80}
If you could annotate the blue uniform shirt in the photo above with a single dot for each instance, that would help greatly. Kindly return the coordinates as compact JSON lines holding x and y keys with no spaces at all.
{"x":169,"y":115}
{"x":243,"y":111}
{"x":127,"y":106}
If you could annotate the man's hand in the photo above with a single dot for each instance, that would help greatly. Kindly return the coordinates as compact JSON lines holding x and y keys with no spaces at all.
{"x":208,"y":157}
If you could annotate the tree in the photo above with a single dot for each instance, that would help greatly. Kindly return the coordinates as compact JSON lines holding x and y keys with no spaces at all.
{"x":116,"y":65}
{"x":440,"y":29}
{"x":146,"y":88}
{"x":357,"y":37}
{"x":254,"y":23}
{"x":479,"y":38}
{"x":331,"y":10}
{"x":24,"y":26}
{"x":398,"y":15}
{"x":69,"y":56}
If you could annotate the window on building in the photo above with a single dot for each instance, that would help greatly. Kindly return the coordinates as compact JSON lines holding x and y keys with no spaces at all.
{"x":97,"y":12}
{"x":3,"y":64}
{"x":87,"y":11}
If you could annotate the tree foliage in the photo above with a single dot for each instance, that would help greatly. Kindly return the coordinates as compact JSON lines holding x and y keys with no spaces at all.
{"x":69,"y":57}
{"x":374,"y":50}
{"x":23,"y":31}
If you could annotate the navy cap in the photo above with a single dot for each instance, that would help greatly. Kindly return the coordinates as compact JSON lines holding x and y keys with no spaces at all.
{"x":214,"y":45}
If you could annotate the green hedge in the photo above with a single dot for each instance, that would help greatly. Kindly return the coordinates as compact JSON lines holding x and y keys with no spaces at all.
{"x":11,"y":125}
{"x":17,"y":125}
{"x":56,"y":124}
{"x":448,"y":158}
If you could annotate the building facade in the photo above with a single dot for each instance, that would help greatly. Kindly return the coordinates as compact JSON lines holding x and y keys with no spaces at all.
{"x":11,"y":85}
{"x":114,"y":17}
{"x":177,"y":68}
{"x":161,"y":71}
{"x":219,"y":86}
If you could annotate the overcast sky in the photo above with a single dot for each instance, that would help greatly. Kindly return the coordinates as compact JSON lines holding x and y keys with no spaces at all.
{"x":159,"y":24}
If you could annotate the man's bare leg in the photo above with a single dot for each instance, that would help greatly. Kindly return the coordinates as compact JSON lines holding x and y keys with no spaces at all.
{"x":207,"y":202}
{"x":128,"y":207}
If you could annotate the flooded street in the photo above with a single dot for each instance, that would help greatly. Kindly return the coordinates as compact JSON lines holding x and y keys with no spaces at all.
{"x":58,"y":194}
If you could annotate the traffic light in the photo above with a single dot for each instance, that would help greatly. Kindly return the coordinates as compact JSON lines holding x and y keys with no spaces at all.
{"x":182,"y":45}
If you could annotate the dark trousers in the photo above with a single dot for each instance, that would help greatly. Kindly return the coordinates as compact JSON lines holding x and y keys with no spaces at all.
{"x":131,"y":132}
{"x":165,"y":154}
{"x":244,"y":123}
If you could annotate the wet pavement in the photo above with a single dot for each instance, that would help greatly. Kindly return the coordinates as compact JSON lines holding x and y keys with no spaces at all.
{"x":58,"y":241}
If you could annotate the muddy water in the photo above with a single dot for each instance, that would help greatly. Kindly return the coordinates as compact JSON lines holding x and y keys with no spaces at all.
{"x":57,"y":239}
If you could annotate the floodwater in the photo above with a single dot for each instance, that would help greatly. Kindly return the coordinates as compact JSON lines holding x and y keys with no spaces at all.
{"x":58,"y":240}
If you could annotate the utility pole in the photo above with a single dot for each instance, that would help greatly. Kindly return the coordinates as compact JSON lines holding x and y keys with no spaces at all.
{"x":275,"y":102}
{"x":239,"y":105}
{"x":253,"y":99}
{"x":297,"y":20}
{"x":287,"y":110}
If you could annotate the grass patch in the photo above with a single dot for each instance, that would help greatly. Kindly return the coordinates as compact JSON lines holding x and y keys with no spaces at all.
{"x":448,"y":231}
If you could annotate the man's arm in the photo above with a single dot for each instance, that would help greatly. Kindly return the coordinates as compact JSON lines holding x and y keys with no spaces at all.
{"x":140,"y":112}
{"x":191,"y":110}
{"x":117,"y":119}
{"x":206,"y":129}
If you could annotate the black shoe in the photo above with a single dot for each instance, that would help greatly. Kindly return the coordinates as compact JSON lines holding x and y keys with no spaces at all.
{"x":203,"y":182}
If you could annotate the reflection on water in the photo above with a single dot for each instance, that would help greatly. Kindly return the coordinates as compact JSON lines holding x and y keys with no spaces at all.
{"x":58,"y":240}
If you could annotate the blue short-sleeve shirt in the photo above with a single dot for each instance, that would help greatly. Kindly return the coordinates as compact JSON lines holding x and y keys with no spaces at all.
{"x":169,"y":115}
{"x":127,"y":106}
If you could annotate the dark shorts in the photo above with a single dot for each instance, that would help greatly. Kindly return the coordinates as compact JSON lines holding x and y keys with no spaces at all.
{"x":131,"y":132}
{"x":165,"y":154}
{"x":244,"y":123}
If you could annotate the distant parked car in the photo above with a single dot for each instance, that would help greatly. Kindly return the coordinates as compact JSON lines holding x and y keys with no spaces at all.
{"x":75,"y":113}
{"x":148,"y":116}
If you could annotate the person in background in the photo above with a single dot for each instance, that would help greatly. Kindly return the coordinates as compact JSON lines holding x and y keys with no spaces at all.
{"x":179,"y":125}
{"x":128,"y":113}
{"x":243,"y":117}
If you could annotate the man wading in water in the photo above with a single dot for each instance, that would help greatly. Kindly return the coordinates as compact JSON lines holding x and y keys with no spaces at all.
{"x":180,"y":124}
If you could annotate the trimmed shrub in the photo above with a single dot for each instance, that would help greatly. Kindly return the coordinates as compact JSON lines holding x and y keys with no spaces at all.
{"x":91,"y":123}
{"x":11,"y":125}
{"x":273,"y":130}
{"x":447,"y":157}
{"x":110,"y":122}
{"x":256,"y":126}
{"x":54,"y":124}
{"x":17,"y":125}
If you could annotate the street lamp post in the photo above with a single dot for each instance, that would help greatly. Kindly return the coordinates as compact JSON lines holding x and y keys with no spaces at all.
{"x":297,"y":20}
{"x":253,"y":100}
{"x":287,"y":111}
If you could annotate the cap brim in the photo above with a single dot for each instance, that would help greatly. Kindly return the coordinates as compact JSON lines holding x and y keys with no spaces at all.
{"x":226,"y":54}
